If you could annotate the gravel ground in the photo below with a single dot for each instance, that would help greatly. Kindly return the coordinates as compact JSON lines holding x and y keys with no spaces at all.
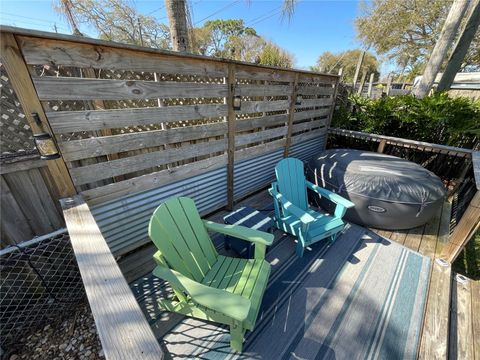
{"x":75,"y":338}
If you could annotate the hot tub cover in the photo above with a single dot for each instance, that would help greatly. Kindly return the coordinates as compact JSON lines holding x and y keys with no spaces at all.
{"x":383,"y":187}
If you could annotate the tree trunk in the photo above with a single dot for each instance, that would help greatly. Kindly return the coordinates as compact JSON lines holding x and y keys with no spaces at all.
{"x":177,"y":19}
{"x":440,"y":50}
{"x":461,"y":48}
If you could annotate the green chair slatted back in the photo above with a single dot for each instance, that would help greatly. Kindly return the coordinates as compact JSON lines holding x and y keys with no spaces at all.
{"x":291,"y":182}
{"x":185,"y":243}
{"x":207,"y":285}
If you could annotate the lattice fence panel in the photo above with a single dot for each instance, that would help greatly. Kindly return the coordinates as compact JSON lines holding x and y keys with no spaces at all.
{"x":15,"y":133}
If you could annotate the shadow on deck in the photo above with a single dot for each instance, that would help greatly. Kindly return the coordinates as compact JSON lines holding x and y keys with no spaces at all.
{"x":363,"y":294}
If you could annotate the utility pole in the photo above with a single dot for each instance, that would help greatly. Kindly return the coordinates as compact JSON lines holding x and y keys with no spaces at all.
{"x":357,"y":70}
{"x":140,"y":31}
{"x":439,"y":53}
{"x":461,"y":47}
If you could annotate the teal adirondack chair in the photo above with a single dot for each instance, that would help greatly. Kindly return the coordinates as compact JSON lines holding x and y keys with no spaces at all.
{"x":207,"y":285}
{"x":292,"y":213}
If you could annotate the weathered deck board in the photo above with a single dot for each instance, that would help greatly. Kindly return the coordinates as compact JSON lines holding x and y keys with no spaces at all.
{"x":434,"y":340}
{"x":475,"y":285}
{"x":461,"y":329}
{"x":113,"y":305}
{"x":428,"y":239}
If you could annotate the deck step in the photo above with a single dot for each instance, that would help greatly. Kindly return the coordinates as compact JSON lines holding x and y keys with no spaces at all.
{"x":464,"y":341}
{"x":434,"y":340}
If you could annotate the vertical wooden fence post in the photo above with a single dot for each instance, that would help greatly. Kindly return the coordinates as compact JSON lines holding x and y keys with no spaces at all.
{"x":370,"y":85}
{"x":22,"y":83}
{"x":381,"y":146}
{"x":362,"y":84}
{"x":291,"y":114}
{"x":231,"y":135}
{"x":334,"y":98}
{"x":389,"y":84}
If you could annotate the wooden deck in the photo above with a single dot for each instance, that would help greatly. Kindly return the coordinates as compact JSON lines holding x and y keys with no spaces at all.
{"x":451,"y":326}
{"x":428,"y":239}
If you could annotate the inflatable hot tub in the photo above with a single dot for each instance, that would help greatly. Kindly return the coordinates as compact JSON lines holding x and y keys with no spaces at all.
{"x":388,"y":192}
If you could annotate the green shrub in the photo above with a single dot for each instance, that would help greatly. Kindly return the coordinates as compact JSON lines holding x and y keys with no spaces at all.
{"x":438,"y":118}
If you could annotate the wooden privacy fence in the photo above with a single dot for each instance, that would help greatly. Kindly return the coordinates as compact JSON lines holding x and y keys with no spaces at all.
{"x":29,"y":203}
{"x":128,"y":119}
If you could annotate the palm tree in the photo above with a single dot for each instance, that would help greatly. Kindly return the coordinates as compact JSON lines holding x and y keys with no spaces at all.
{"x":178,"y":20}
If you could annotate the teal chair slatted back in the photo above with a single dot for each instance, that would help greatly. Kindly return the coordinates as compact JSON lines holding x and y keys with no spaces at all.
{"x":291,"y":182}
{"x":178,"y":232}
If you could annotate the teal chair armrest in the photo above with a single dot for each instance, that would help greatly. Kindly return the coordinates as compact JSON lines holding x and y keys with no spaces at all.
{"x":342,"y":204}
{"x":337,"y":199}
{"x":232,"y":305}
{"x":261,"y":239}
{"x":304,"y":217}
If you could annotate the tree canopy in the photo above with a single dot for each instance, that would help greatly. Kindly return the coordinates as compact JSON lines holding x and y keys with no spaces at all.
{"x":116,"y":20}
{"x":406,"y":31}
{"x":332,"y":62}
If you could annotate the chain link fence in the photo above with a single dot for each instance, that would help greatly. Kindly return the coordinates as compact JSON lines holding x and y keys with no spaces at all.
{"x":40,"y":282}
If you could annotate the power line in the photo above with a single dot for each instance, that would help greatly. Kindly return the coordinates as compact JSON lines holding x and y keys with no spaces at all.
{"x":160,"y":8}
{"x":261,"y":16}
{"x":218,"y":11}
{"x":35,"y":19}
{"x":267,"y":17}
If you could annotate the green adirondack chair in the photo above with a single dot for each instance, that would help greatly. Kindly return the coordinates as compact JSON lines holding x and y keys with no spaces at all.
{"x":292,"y":213}
{"x":207,"y":285}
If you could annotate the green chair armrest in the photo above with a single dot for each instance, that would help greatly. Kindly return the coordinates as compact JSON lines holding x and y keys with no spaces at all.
{"x":241,"y":232}
{"x":235,"y":306}
{"x":335,"y":198}
{"x":302,"y":215}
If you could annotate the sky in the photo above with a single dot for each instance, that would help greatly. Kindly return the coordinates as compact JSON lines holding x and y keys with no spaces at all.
{"x":316,"y":25}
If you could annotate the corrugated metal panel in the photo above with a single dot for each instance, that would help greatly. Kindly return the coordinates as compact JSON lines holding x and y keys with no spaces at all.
{"x":124,"y":221}
{"x":308,"y":149}
{"x":253,"y":174}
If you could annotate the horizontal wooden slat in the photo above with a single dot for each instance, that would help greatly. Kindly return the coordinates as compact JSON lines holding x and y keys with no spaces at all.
{"x":262,"y":121}
{"x":253,"y":73}
{"x":314,"y":102}
{"x":245,"y":139}
{"x":258,"y":150}
{"x":64,"y":88}
{"x":70,"y":121}
{"x":317,"y":78}
{"x":108,"y":169}
{"x":308,"y":125}
{"x":261,"y":106}
{"x":37,"y":51}
{"x":310,"y":114}
{"x":86,"y":148}
{"x":122,"y":328}
{"x":315,"y":90}
{"x":309,"y":135}
{"x":98,"y":54}
{"x":153,"y":180}
{"x":263,"y":90}
{"x":21,"y":164}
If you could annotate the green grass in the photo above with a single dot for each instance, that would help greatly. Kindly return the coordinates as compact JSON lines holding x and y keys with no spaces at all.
{"x":468,"y":263}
